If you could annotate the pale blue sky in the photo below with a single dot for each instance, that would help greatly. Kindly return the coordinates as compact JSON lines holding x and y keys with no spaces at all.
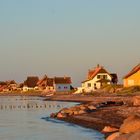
{"x":68,"y":37}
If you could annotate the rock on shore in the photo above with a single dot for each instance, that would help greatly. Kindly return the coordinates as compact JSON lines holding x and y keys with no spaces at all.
{"x":77,"y":110}
{"x":129,"y":130}
{"x":110,"y":115}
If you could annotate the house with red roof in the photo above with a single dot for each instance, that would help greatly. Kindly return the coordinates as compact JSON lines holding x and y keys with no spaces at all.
{"x":133,"y":77}
{"x":96,"y":78}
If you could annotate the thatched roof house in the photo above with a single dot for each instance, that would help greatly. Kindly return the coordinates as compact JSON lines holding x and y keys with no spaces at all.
{"x":31,"y":81}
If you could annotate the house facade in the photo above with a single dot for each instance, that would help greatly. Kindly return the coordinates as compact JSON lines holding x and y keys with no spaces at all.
{"x":133,"y":77}
{"x":96,"y":78}
{"x":62,"y":84}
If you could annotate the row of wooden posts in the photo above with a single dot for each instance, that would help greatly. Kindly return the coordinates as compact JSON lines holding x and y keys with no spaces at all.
{"x":28,"y":106}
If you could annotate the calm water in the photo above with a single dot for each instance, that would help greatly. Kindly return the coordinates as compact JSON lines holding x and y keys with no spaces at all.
{"x":26,"y":118}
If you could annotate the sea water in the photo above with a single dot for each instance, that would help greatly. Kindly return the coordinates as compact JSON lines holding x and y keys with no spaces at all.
{"x":27,"y":118}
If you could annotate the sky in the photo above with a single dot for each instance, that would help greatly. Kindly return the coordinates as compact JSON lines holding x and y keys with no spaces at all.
{"x":68,"y":37}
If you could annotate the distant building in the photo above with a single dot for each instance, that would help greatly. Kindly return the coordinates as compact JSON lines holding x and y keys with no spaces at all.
{"x":133,"y":77}
{"x":12,"y":85}
{"x":55,"y":84}
{"x":62,"y":84}
{"x":7,"y":86}
{"x":3,"y":86}
{"x":30,"y":83}
{"x":96,"y":78}
{"x":46,"y":83}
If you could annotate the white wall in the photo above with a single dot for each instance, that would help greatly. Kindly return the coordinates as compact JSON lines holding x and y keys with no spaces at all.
{"x":62,"y":87}
{"x":93,"y":81}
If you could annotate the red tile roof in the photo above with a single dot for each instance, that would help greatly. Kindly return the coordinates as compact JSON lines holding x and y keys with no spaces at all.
{"x":92,"y":73}
{"x":3,"y":83}
{"x":133,"y":71}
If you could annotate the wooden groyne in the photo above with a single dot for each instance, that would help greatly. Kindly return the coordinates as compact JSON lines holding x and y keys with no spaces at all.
{"x":29,"y":106}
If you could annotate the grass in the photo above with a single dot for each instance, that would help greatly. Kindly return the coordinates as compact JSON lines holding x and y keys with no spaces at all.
{"x":130,"y":90}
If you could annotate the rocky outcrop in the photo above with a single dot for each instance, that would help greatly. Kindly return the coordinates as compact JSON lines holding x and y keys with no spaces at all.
{"x":136,"y":100}
{"x":77,"y":110}
{"x":108,"y":129}
{"x":131,"y":124}
{"x":84,"y":108}
{"x":113,"y":136}
{"x":135,"y":136}
{"x":129,"y":130}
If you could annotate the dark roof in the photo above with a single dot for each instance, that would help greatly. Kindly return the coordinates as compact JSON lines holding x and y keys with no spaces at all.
{"x":114,"y":76}
{"x":12,"y":82}
{"x":21,"y":85}
{"x":133,"y":71}
{"x":31,"y":81}
{"x":62,"y":80}
{"x":50,"y":82}
{"x":3,"y":83}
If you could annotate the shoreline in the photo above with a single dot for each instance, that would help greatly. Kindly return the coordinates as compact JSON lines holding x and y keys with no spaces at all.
{"x":112,"y":116}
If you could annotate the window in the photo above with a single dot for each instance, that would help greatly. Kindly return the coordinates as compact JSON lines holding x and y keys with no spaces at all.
{"x":89,"y":85}
{"x":95,"y":86}
{"x":98,"y":76}
{"x":101,"y":76}
{"x":104,"y":76}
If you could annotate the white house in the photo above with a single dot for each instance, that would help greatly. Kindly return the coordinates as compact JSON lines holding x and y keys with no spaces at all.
{"x":95,"y":79}
{"x":62,"y":84}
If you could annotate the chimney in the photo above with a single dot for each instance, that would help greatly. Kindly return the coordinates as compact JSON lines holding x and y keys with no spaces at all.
{"x":98,"y":65}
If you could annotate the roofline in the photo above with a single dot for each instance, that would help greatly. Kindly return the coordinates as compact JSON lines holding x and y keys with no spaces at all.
{"x":104,"y":70}
{"x":97,"y":74}
{"x":132,"y":72}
